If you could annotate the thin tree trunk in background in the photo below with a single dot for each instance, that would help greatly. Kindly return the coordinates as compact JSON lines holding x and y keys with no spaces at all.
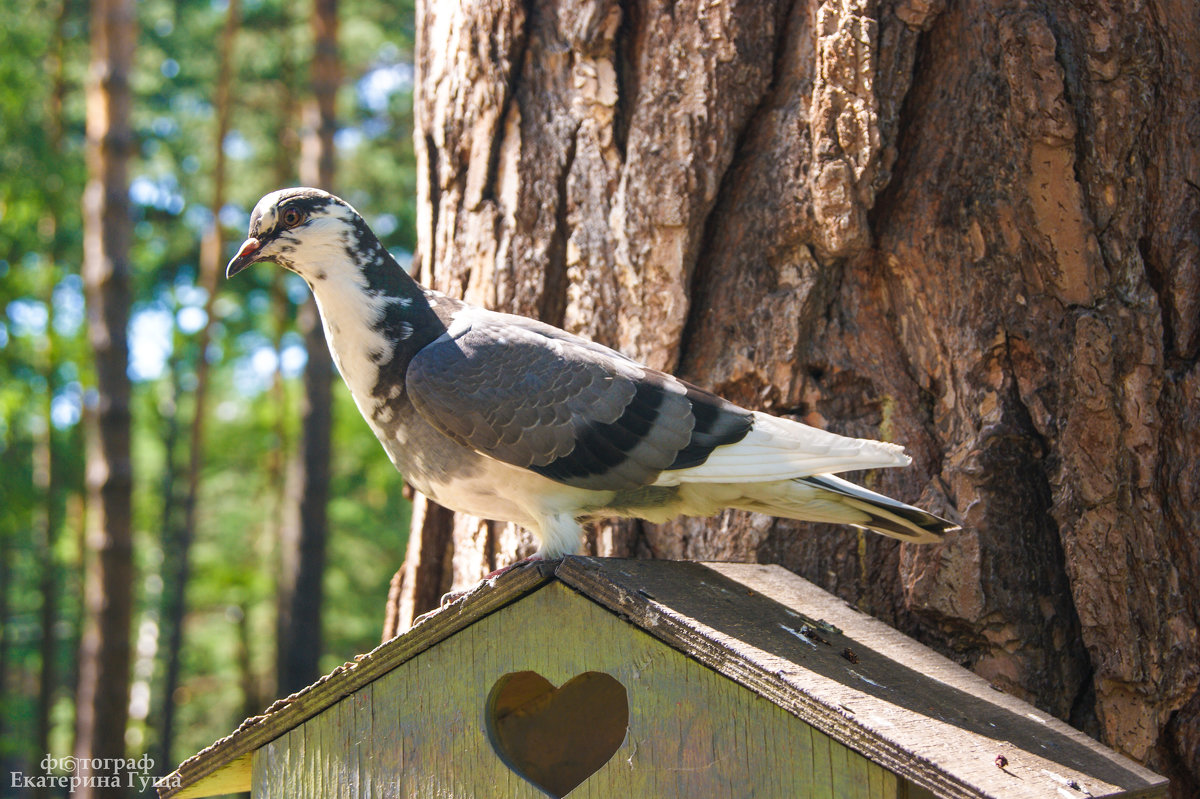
{"x":169,"y":527}
{"x":252,"y":697}
{"x":47,"y":485}
{"x":425,"y":574}
{"x":318,"y":157}
{"x":299,"y":627}
{"x":177,"y":555}
{"x":277,"y":524}
{"x":81,"y":524}
{"x":969,"y":228}
{"x":47,"y":478}
{"x":103,"y":698}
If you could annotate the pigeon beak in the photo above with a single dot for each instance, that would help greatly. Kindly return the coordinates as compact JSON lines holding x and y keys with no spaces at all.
{"x":245,"y":257}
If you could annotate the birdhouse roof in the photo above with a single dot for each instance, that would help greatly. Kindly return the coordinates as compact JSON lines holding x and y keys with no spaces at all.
{"x":841,"y":671}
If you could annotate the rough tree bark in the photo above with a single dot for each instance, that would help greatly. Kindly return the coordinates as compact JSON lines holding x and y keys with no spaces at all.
{"x":970,"y":228}
{"x":103,"y":693}
{"x":299,"y":626}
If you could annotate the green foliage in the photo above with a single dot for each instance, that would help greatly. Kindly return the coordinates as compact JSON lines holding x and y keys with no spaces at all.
{"x":255,"y":355}
{"x":42,"y":351}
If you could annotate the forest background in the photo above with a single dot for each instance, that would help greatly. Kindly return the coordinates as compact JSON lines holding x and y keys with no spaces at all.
{"x":216,"y":85}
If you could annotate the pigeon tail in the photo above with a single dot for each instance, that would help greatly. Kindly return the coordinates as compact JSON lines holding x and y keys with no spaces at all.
{"x":826,"y":498}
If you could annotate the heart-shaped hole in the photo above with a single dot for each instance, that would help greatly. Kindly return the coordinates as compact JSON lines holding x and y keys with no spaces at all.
{"x":557,"y":737}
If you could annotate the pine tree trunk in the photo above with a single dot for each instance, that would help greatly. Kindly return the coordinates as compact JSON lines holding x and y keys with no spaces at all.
{"x":299,"y":627}
{"x":47,"y":469}
{"x":277,"y":521}
{"x":968,"y":228}
{"x":48,"y":486}
{"x":177,"y":552}
{"x":103,"y":696}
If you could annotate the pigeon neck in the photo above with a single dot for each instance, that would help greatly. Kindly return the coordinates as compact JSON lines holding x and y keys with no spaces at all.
{"x":363,"y":303}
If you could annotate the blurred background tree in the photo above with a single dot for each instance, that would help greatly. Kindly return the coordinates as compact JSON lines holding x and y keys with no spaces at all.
{"x":215,"y":378}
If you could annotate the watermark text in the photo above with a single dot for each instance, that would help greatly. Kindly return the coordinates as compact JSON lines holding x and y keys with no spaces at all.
{"x":73,"y":773}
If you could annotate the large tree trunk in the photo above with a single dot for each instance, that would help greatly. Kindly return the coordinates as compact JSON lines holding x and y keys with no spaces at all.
{"x":299,"y":627}
{"x":971,"y":229}
{"x":103,"y":695}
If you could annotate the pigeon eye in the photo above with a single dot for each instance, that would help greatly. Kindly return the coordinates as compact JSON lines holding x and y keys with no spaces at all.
{"x":291,"y":217}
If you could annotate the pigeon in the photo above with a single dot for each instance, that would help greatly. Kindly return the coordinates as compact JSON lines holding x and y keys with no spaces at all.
{"x":507,"y":418}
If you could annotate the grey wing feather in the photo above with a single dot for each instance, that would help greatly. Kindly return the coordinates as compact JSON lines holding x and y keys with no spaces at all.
{"x":534,"y":396}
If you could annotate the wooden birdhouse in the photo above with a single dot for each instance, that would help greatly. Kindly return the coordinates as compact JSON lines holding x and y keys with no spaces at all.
{"x":616,"y":678}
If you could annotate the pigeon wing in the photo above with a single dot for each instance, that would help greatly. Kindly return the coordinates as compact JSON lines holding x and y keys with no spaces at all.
{"x":572,"y":410}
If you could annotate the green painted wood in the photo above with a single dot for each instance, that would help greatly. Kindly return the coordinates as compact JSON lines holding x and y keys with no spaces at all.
{"x":268,"y":769}
{"x":421,"y":727}
{"x":363,"y":745}
{"x":881,"y":782}
{"x":822,"y":780}
{"x":910,"y":790}
{"x":842,"y":775}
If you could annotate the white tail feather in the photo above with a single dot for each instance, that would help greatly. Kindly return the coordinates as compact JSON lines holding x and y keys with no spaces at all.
{"x":780,"y":449}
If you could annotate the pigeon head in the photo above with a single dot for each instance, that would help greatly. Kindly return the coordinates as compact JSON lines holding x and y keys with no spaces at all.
{"x":307,"y":231}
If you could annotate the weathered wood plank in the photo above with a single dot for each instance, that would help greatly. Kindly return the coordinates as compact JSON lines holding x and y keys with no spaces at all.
{"x":841,"y":774}
{"x":822,"y":784}
{"x":364,"y":726}
{"x":311,"y":768}
{"x":347,"y":770}
{"x":878,"y":784}
{"x":389,"y":749}
{"x":804,"y":783}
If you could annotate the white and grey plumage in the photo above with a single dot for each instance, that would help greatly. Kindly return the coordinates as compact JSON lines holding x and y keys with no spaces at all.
{"x":507,"y":418}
